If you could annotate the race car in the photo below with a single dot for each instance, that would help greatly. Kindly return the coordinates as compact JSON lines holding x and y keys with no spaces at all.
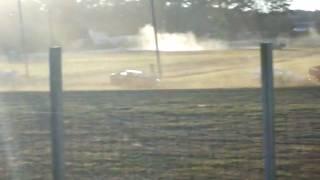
{"x":314,"y":73}
{"x":133,"y":78}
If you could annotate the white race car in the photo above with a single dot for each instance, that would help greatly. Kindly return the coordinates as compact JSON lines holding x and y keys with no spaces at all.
{"x":314,"y":73}
{"x":133,"y":78}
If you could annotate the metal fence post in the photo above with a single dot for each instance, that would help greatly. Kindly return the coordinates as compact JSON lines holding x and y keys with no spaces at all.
{"x":23,"y":40}
{"x":268,"y":110}
{"x":57,"y":130}
{"x":155,"y":30}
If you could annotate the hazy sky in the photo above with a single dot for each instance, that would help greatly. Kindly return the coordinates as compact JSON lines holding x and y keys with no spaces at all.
{"x":310,"y":5}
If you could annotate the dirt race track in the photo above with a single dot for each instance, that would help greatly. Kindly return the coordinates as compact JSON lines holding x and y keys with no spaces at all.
{"x":182,"y":70}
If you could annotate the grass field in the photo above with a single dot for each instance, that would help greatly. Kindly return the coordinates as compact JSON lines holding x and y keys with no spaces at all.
{"x":168,"y":134}
{"x":162,"y":134}
{"x":182,"y":70}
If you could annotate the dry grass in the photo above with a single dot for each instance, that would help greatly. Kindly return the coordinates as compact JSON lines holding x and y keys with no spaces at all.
{"x":185,"y":134}
{"x":214,"y":69}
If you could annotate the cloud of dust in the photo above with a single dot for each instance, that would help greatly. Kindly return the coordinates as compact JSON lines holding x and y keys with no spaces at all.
{"x":310,"y":40}
{"x":284,"y":77}
{"x":175,"y":41}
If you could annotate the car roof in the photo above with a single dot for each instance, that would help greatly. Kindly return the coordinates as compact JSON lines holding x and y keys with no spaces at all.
{"x":133,"y":71}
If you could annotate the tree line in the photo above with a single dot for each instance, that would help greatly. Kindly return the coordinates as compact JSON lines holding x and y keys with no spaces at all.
{"x":220,"y":19}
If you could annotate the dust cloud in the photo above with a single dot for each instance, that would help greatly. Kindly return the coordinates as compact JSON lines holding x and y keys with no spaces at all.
{"x":310,"y":40}
{"x":175,"y":41}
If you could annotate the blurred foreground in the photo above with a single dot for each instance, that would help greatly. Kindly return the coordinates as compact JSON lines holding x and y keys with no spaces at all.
{"x":198,"y":134}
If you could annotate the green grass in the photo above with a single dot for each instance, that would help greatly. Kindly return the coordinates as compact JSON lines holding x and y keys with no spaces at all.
{"x":194,"y":134}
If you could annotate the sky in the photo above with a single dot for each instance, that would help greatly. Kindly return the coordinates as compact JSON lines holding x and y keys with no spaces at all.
{"x":310,"y":5}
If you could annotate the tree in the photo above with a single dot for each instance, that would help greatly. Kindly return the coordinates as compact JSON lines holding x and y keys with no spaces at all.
{"x":243,"y":5}
{"x":223,"y":19}
{"x":276,"y":5}
{"x":317,"y":20}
